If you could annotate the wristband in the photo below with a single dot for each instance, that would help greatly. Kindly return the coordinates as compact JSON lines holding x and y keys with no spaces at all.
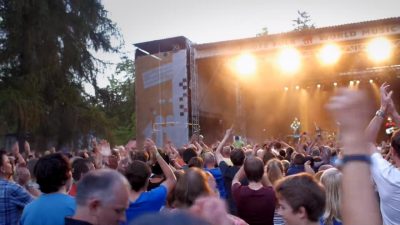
{"x":358,"y":158}
{"x":380,"y":113}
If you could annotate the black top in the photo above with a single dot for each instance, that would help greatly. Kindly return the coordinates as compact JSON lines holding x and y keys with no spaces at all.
{"x":70,"y":221}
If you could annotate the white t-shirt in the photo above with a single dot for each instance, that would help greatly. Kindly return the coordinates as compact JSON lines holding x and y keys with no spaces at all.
{"x":387,"y":180}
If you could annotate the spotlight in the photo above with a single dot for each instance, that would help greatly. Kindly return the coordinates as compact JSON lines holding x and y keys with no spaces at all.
{"x":379,"y":49}
{"x":358,"y":81}
{"x":297,"y":87}
{"x":318,"y":86}
{"x":351,"y":83}
{"x":335,"y":84}
{"x":289,"y":60}
{"x":371,"y":81}
{"x":286,"y":88}
{"x":329,"y":54}
{"x":245,"y":64}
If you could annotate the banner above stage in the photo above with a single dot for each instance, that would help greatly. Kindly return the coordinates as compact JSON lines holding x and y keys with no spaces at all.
{"x":343,"y":33}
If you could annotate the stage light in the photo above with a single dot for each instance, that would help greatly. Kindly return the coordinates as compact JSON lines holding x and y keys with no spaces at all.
{"x":329,"y":54}
{"x":286,"y":88}
{"x":351,"y":83}
{"x":358,"y":81}
{"x":245,"y":64}
{"x":335,"y":84}
{"x":371,"y":81}
{"x":289,"y":60}
{"x":318,"y":86}
{"x":379,"y":49}
{"x":297,"y":87}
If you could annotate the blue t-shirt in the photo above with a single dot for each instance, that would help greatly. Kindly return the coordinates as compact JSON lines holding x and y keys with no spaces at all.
{"x":148,"y":202}
{"x":217,"y":174}
{"x":48,"y":209}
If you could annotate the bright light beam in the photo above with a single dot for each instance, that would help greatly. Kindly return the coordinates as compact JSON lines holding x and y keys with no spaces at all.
{"x":289,"y":60}
{"x":329,"y":54}
{"x":245,"y":64}
{"x":379,"y":49}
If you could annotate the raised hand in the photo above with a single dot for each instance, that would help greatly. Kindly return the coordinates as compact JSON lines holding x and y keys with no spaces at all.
{"x":386,"y":97}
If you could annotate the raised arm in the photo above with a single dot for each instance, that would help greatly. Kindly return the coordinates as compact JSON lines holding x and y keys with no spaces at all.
{"x":359,"y":203}
{"x":218,"y":154}
{"x":375,"y":124}
{"x":170,"y":181}
{"x":240,"y":175}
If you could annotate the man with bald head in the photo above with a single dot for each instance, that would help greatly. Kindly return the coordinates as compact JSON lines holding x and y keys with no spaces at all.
{"x":102,"y":198}
{"x":255,"y":202}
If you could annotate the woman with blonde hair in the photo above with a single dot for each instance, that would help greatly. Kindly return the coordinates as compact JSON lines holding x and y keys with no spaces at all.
{"x":332,"y":179}
{"x":275,"y":171}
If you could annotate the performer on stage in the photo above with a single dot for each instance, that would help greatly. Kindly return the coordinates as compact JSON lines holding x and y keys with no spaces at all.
{"x":390,"y":126}
{"x":296,"y":128}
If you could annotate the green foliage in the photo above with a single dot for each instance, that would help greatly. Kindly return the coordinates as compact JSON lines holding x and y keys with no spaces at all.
{"x":303,"y":21}
{"x":264,"y":31}
{"x":45,"y":58}
{"x":117,"y":101}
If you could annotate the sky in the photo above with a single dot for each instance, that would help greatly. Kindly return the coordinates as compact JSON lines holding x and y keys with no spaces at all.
{"x":203,"y":21}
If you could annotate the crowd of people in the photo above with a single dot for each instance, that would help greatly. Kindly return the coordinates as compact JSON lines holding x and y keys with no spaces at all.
{"x":349,"y":181}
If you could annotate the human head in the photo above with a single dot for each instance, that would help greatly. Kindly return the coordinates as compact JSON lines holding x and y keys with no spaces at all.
{"x":6,"y":168}
{"x":253,"y":168}
{"x":237,"y":157}
{"x":395,"y":143}
{"x":274,"y":169}
{"x":80,"y":167}
{"x":190,"y":186}
{"x":301,"y":198}
{"x":285,"y":165}
{"x":140,"y":155}
{"x":299,"y":159}
{"x":138,"y":174}
{"x":103,"y":197}
{"x":188,"y":154}
{"x":332,"y":179}
{"x":52,"y":172}
{"x":209,"y":159}
{"x":196,"y":162}
{"x":268,"y":156}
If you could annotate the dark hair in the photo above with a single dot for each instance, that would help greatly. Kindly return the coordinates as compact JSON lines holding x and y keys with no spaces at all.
{"x":254,"y":168}
{"x":289,"y":152}
{"x":395,"y":142}
{"x":237,"y":157}
{"x":277,"y":145}
{"x":196,"y":162}
{"x":156,"y":169}
{"x":282,"y":153}
{"x":52,"y":172}
{"x":299,"y":159}
{"x":268,"y":156}
{"x":80,"y":167}
{"x":138,"y":174}
{"x":188,"y":154}
{"x":2,"y":152}
{"x":302,"y":190}
{"x":140,"y":155}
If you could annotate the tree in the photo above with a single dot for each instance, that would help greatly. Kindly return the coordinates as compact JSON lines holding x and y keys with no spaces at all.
{"x":45,"y":58}
{"x":117,"y":100}
{"x":303,"y":21}
{"x":264,"y":31}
